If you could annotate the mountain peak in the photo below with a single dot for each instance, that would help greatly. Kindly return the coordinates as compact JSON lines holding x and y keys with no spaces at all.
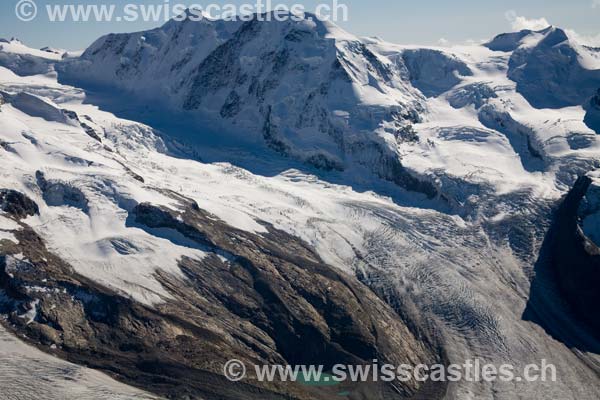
{"x":554,"y":36}
{"x":551,"y":68}
{"x":304,"y":87}
{"x":511,"y":41}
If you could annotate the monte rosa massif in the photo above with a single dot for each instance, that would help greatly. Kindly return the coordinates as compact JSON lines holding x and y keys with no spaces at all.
{"x":288,"y":193}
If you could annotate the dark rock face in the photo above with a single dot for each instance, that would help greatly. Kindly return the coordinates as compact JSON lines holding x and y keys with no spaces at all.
{"x":91,"y":132}
{"x":17,"y":204}
{"x":232,"y":105}
{"x":576,"y":259}
{"x":396,"y":173}
{"x":262,"y":299}
{"x":592,"y":117}
{"x":476,"y":94}
{"x":221,"y":67}
{"x":57,"y":193}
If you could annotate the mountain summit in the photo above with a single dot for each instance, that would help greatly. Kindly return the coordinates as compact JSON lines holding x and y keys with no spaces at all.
{"x":552,"y":70}
{"x":306,"y":88}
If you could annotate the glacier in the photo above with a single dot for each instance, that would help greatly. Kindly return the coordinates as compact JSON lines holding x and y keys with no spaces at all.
{"x":426,"y":180}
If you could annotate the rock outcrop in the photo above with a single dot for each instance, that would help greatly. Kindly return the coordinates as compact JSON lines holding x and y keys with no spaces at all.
{"x":576,"y":258}
{"x":17,"y":204}
{"x":263,"y":299}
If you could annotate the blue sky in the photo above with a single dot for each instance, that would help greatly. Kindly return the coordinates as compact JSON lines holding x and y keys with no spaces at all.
{"x":400,"y":21}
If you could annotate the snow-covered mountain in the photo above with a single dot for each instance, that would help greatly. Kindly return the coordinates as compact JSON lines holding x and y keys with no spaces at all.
{"x":373,"y":200}
{"x":306,"y":88}
{"x":318,"y":94}
{"x":23,"y":60}
{"x":551,"y":69}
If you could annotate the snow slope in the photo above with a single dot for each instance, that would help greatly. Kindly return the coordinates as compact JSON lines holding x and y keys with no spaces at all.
{"x":27,"y":373}
{"x":306,"y":88}
{"x":551,"y":69}
{"x":23,"y":60}
{"x":483,"y":117}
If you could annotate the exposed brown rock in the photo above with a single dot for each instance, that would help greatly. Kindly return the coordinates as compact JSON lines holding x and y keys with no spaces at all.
{"x":263,"y":299}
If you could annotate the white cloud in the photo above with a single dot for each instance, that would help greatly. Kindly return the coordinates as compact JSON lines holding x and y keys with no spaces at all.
{"x":473,"y":42}
{"x":518,"y":23}
{"x":593,"y":41}
{"x":443,"y":42}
